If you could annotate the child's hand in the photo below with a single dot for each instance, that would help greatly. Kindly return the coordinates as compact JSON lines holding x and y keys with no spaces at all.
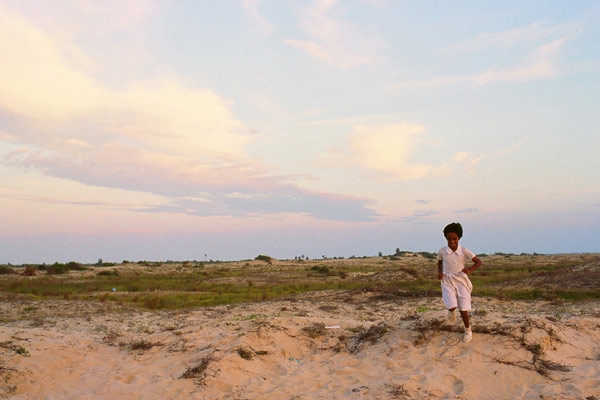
{"x":466,"y":271}
{"x":440,"y":276}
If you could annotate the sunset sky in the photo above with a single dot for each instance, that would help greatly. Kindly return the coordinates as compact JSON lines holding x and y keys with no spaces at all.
{"x":224,"y":129}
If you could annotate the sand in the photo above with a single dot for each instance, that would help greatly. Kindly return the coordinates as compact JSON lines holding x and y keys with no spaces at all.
{"x":328,"y":345}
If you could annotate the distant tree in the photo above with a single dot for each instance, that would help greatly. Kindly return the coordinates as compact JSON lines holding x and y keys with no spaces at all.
{"x":99,"y":262}
{"x":380,"y":254}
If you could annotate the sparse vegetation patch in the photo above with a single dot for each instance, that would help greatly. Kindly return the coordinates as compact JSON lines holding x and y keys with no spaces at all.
{"x":197,"y":372}
{"x":315,"y":330}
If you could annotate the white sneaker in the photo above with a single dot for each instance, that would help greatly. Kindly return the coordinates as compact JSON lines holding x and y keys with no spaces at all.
{"x":451,"y":317}
{"x":468,"y":335}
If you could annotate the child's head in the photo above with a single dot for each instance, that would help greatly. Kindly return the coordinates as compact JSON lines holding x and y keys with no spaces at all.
{"x":453,"y":232}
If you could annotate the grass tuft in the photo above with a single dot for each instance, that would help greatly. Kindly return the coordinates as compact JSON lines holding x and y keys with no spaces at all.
{"x":315,"y":330}
{"x":197,"y":372}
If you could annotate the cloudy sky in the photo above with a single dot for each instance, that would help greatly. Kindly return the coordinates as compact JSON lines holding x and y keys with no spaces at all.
{"x":224,"y":129}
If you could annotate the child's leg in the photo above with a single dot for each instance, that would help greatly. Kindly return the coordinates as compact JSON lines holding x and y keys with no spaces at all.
{"x":451,"y":316}
{"x":449,"y":294}
{"x":464,"y":302}
{"x":465,"y":318}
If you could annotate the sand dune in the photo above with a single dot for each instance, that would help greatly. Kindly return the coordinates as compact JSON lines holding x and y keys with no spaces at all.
{"x":316,"y":346}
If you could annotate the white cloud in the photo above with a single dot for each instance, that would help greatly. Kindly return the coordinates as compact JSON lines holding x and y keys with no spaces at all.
{"x":37,"y":83}
{"x":157,"y":136}
{"x":35,"y":79}
{"x":460,"y":157}
{"x":516,"y":55}
{"x":504,"y":40}
{"x":252,"y":8}
{"x":514,"y":147}
{"x":388,"y":149}
{"x":334,"y":40}
{"x":311,"y":48}
{"x":540,"y":64}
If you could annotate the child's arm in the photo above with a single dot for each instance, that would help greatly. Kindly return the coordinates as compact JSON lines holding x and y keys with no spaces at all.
{"x":476,"y":264}
{"x":440,"y":269}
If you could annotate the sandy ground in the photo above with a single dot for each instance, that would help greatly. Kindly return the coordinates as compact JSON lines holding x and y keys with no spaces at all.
{"x":315,"y":346}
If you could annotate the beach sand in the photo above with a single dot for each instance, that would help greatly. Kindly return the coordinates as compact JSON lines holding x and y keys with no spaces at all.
{"x":324,"y":345}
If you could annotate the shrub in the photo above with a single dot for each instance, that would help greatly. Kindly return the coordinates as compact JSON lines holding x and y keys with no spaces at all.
{"x":315,"y":330}
{"x":322,"y":269}
{"x":262,"y":257}
{"x":108,"y":273}
{"x":198,"y":371}
{"x":58,"y":268}
{"x":428,"y":255}
{"x":143,"y":345}
{"x":30,"y":270}
{"x":244,"y":353}
{"x":106,"y":264}
{"x":75,"y":265}
{"x":6,"y":270}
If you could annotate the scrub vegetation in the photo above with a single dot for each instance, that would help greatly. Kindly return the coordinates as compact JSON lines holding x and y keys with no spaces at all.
{"x":180,"y":285}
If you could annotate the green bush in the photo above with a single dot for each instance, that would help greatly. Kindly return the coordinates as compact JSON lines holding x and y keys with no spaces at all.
{"x":58,"y":268}
{"x":322,"y":269}
{"x":262,"y":257}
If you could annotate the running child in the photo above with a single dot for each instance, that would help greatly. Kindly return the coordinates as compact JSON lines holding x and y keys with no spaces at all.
{"x":456,"y":286}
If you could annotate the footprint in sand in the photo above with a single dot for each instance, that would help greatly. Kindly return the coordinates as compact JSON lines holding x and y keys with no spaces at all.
{"x":419,"y":378}
{"x":125,"y":379}
{"x":455,"y":383}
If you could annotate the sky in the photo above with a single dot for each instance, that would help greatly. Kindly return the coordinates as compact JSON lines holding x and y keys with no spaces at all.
{"x":224,"y":129}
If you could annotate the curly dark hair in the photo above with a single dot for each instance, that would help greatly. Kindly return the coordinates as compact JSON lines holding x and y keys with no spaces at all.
{"x":454,"y":227}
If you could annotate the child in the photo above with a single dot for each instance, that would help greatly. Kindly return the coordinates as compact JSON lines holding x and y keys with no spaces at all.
{"x":456,"y":286}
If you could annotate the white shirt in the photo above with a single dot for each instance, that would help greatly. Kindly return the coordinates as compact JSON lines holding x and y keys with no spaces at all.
{"x":454,"y":261}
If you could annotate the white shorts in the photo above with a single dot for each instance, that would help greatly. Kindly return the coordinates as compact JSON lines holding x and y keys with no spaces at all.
{"x":456,"y":291}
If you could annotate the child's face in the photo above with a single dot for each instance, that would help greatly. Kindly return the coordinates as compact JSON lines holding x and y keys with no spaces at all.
{"x":452,"y":239}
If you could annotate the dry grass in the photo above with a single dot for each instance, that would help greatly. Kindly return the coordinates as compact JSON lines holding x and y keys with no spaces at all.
{"x":142,"y":344}
{"x":245,"y":353}
{"x":427,"y":329}
{"x":197,"y":372}
{"x":185,"y":285}
{"x":398,"y":392}
{"x":371,"y":335}
{"x":315,"y":330}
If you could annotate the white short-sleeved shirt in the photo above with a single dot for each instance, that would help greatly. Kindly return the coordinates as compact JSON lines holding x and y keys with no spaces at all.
{"x":454,"y":261}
